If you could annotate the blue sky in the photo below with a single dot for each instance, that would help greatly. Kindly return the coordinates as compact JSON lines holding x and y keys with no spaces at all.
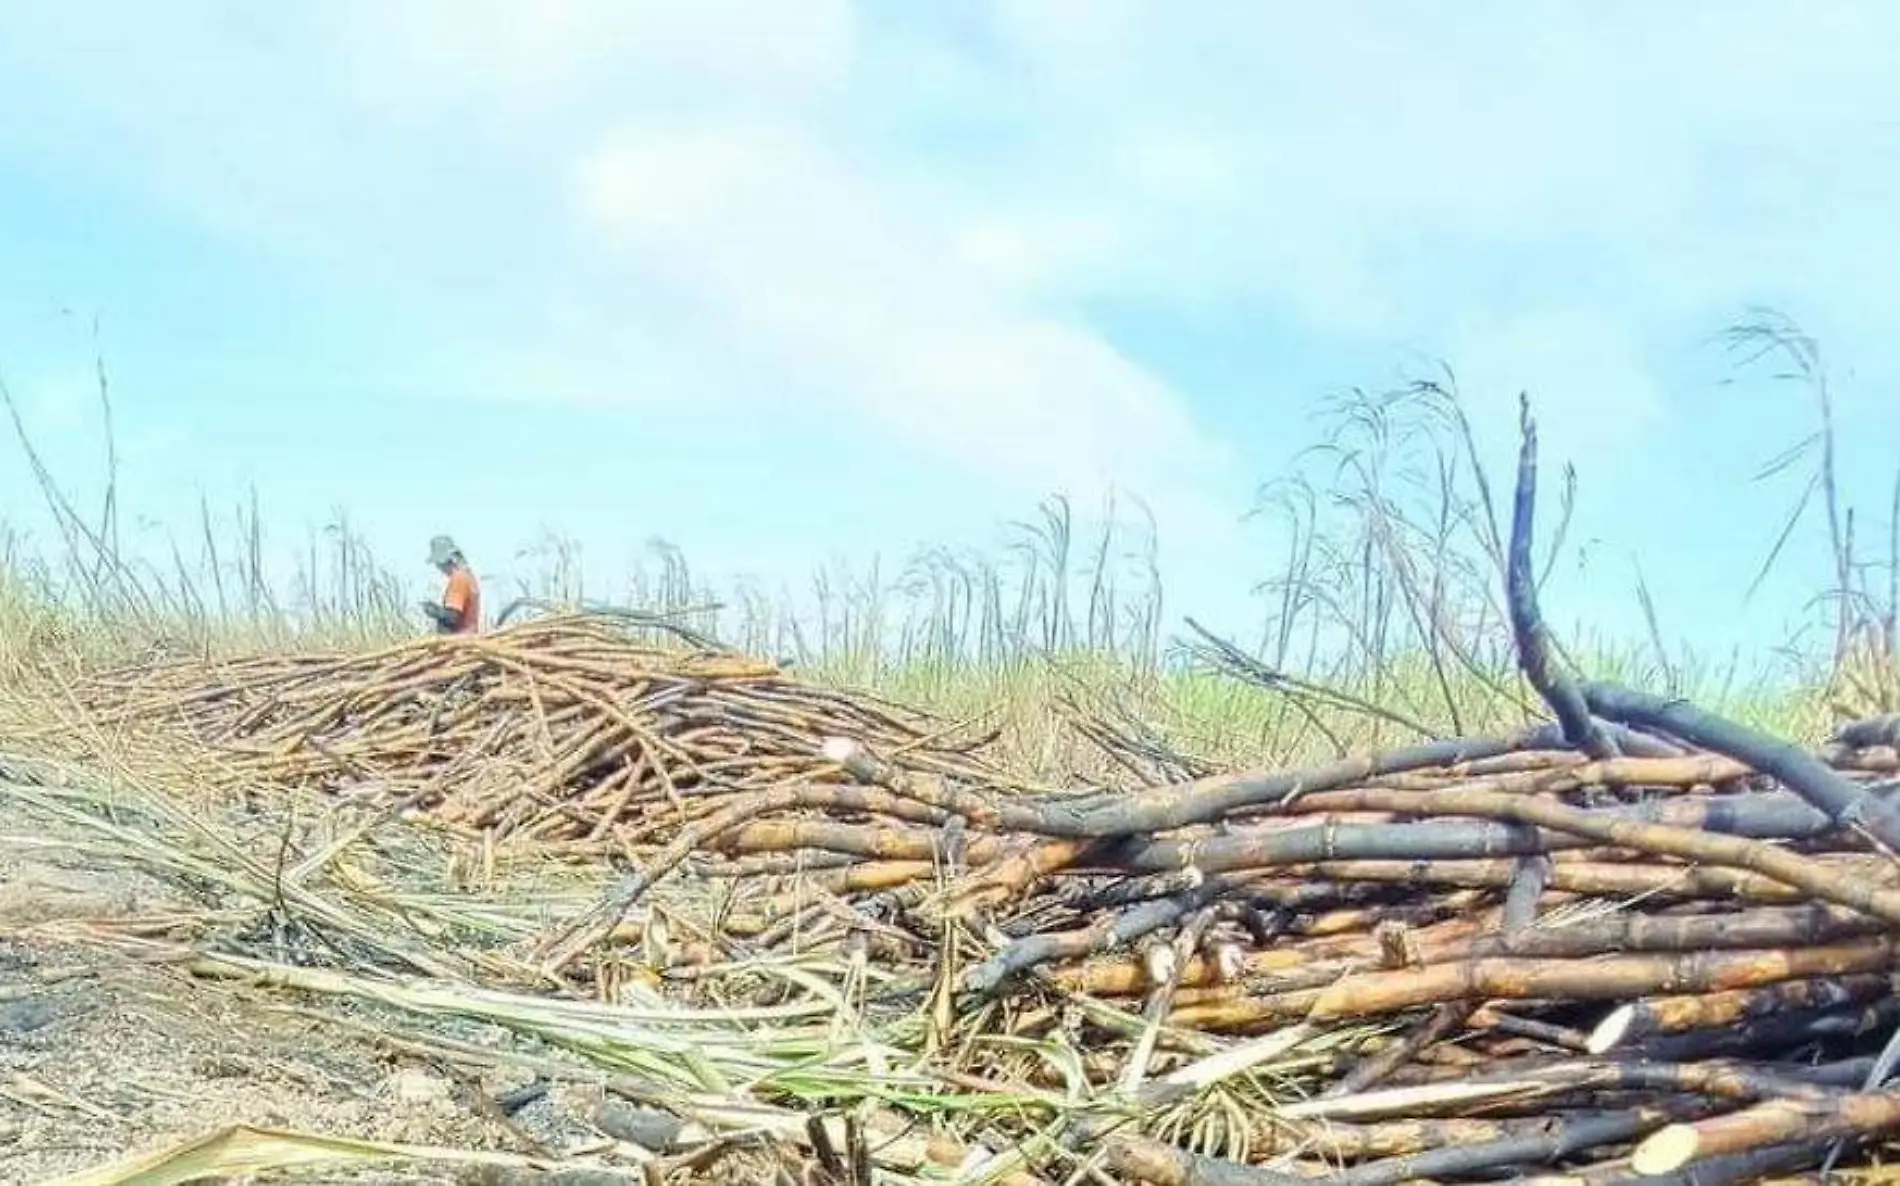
{"x":790,"y":282}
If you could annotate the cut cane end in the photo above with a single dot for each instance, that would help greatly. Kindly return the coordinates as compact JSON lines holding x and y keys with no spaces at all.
{"x":840,"y":750}
{"x":1160,"y":962}
{"x":1611,"y":1031}
{"x":1666,"y":1151}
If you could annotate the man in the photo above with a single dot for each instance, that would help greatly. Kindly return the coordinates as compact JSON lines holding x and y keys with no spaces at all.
{"x":460,"y":610}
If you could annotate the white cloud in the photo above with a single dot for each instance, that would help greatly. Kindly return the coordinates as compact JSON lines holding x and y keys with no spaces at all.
{"x":910,"y":219}
{"x":860,"y":301}
{"x":1038,"y":253}
{"x":553,"y":52}
{"x":1539,"y":193}
{"x":475,"y":158}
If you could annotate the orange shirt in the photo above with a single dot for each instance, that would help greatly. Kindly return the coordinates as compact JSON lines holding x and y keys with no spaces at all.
{"x":464,"y":596}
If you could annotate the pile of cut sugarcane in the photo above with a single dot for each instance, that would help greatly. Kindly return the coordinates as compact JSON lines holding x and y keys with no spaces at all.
{"x":1639,"y":943}
{"x":566,"y":733}
{"x":1466,"y":958}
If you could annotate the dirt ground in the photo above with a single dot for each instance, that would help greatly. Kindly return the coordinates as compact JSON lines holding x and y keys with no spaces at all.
{"x":104,"y":1055}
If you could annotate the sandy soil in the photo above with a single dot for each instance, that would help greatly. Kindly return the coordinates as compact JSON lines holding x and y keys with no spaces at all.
{"x":103,"y":1056}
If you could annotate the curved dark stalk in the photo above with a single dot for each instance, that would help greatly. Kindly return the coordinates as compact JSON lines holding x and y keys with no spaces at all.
{"x":1527,"y":623}
{"x":1846,"y":804}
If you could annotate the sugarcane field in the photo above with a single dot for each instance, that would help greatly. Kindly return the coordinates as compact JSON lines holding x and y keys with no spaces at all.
{"x":1018,"y":593}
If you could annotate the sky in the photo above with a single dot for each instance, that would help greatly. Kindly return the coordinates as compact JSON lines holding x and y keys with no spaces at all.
{"x":793,"y":283}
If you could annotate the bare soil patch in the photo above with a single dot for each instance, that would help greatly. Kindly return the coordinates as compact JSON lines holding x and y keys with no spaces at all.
{"x":103,"y":1055}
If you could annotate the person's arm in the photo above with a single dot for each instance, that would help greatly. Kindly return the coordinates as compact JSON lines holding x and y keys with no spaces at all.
{"x":445,"y":618}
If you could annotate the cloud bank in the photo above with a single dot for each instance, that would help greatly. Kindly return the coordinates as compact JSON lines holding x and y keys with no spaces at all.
{"x":979,"y":240}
